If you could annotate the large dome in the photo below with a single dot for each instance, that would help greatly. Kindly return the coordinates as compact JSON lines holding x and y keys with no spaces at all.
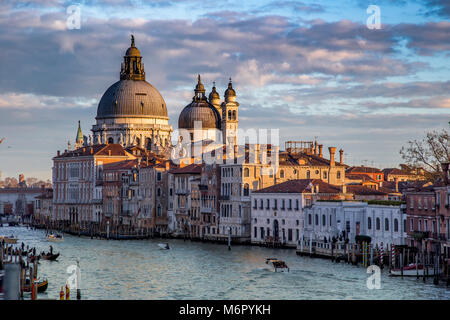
{"x":132,"y":98}
{"x":199,"y":111}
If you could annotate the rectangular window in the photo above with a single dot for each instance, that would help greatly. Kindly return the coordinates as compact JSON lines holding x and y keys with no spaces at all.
{"x":262,"y":232}
{"x":289,"y":234}
{"x":296,"y":204}
{"x":347,"y":226}
{"x":256,"y":233}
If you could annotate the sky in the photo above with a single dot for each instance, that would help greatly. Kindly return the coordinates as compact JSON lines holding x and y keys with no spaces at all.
{"x":312,"y":69}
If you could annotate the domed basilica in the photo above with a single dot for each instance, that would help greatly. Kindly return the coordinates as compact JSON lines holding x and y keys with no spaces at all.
{"x":132,"y":112}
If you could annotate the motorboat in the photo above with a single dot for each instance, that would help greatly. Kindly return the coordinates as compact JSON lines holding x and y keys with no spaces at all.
{"x":412,"y":271}
{"x":163,"y":246}
{"x":55,"y":237}
{"x":277,"y":265}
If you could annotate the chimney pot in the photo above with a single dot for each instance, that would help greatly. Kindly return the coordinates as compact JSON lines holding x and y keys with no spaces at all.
{"x":59,"y":153}
{"x":320,"y":150}
{"x":332,"y":153}
{"x":341,"y":156}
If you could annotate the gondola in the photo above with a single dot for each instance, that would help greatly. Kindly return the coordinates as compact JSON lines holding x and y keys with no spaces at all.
{"x":50,"y":256}
{"x":42,"y":286}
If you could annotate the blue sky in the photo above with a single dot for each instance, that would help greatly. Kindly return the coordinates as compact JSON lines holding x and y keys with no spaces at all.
{"x":310,"y":68}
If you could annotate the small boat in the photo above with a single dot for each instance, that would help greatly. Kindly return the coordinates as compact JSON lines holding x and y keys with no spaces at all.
{"x":55,"y":238}
{"x":411,"y":271}
{"x":277,"y":265}
{"x":42,"y":286}
{"x":163,"y":246}
{"x":50,"y":256}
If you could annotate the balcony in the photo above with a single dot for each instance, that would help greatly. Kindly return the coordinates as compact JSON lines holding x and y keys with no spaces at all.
{"x":437,"y":236}
{"x":419,"y":235}
{"x":224,"y":197}
{"x":182,"y":191}
{"x":206,"y":210}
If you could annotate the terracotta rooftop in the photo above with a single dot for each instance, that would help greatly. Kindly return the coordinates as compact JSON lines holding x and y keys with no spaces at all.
{"x":97,"y":150}
{"x":121,"y":165}
{"x":292,"y":159}
{"x":396,"y":171}
{"x":300,"y":186}
{"x":361,"y":190}
{"x":363,"y":169}
{"x":192,"y":168}
{"x":362,"y":177}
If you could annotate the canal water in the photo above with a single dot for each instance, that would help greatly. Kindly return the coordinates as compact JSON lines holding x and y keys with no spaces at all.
{"x":138,"y":269}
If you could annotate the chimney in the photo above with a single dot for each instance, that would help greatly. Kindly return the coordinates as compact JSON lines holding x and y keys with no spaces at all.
{"x":58,"y":153}
{"x":92,"y":150}
{"x":315,"y":147}
{"x":445,"y":167}
{"x":396,"y":184}
{"x":320,"y":150}
{"x":341,"y":156}
{"x":109,"y":153}
{"x":332,"y":152}
{"x":167,"y":165}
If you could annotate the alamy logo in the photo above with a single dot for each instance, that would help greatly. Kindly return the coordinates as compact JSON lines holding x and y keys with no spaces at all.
{"x":374,"y":281}
{"x":75,"y":276}
{"x":74,"y":19}
{"x":374,"y":20}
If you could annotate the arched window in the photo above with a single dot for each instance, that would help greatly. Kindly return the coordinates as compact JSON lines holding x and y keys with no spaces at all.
{"x":246,"y":172}
{"x":234,"y":114}
{"x":110,"y":140}
{"x":395,"y":225}
{"x":148,"y":143}
{"x":338,"y":174}
{"x":386,"y":224}
{"x":138,"y":141}
{"x":317,"y":220}
{"x":229,"y":114}
{"x":324,"y":220}
{"x":159,"y":210}
{"x":281,"y":173}
{"x":369,"y":223}
{"x":159,"y":192}
{"x":324,"y":174}
{"x":308,"y":174}
{"x":378,"y":224}
{"x":309,"y":219}
{"x":246,"y":190}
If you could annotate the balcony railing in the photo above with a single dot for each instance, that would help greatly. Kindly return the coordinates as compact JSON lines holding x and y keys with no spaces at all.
{"x":182,"y":191}
{"x":224,"y":197}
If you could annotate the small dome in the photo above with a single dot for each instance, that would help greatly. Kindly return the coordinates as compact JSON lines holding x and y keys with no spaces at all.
{"x":199,"y":111}
{"x":132,"y":51}
{"x":214,"y":95}
{"x":230,"y":91}
{"x":132,"y":98}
